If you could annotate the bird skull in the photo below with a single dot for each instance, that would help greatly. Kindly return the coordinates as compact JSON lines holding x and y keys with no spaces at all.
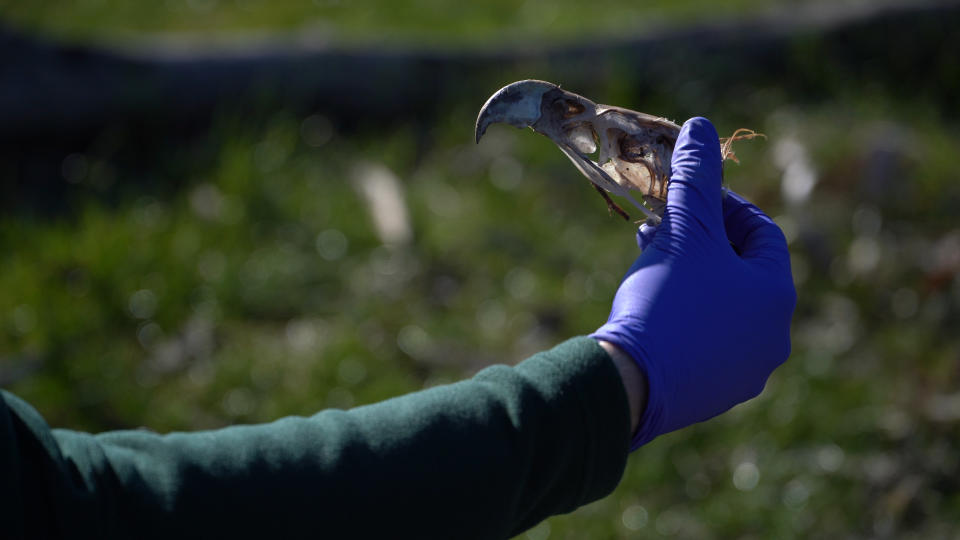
{"x":633,"y":149}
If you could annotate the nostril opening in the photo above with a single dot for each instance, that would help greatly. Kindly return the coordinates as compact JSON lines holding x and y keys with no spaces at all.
{"x":572,"y":108}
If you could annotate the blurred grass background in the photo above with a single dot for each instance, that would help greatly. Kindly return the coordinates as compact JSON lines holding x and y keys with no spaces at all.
{"x":424,"y":21}
{"x":237,"y":273}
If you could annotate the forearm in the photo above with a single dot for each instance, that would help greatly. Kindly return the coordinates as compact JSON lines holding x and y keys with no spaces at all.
{"x":634,"y":381}
{"x":487,"y":457}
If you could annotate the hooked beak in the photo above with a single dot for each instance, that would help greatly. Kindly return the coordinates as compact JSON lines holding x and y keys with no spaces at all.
{"x":517,"y":104}
{"x":632,"y":149}
{"x":619,"y":150}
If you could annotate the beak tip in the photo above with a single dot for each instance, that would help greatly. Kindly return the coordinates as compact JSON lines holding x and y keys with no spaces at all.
{"x":481,"y":128}
{"x":517,"y":104}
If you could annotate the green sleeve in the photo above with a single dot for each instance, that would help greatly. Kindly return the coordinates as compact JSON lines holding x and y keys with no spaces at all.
{"x":483,"y":458}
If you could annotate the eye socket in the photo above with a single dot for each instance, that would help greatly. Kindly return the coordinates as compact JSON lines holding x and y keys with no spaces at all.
{"x":633,"y":150}
{"x":664,"y":141}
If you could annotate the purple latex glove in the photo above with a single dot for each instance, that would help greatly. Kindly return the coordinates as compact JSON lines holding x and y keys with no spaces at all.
{"x":706,"y":325}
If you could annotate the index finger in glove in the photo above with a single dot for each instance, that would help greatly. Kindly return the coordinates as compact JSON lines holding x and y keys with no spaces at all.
{"x":695,"y":179}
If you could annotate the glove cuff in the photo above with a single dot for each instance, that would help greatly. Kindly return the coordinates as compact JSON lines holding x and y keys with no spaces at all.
{"x":653,"y":417}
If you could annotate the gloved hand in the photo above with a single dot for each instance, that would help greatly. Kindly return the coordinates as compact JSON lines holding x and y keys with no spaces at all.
{"x":706,"y":324}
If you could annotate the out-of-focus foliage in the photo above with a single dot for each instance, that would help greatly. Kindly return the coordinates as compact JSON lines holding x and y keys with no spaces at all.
{"x":421,"y":21}
{"x":260,"y":286}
